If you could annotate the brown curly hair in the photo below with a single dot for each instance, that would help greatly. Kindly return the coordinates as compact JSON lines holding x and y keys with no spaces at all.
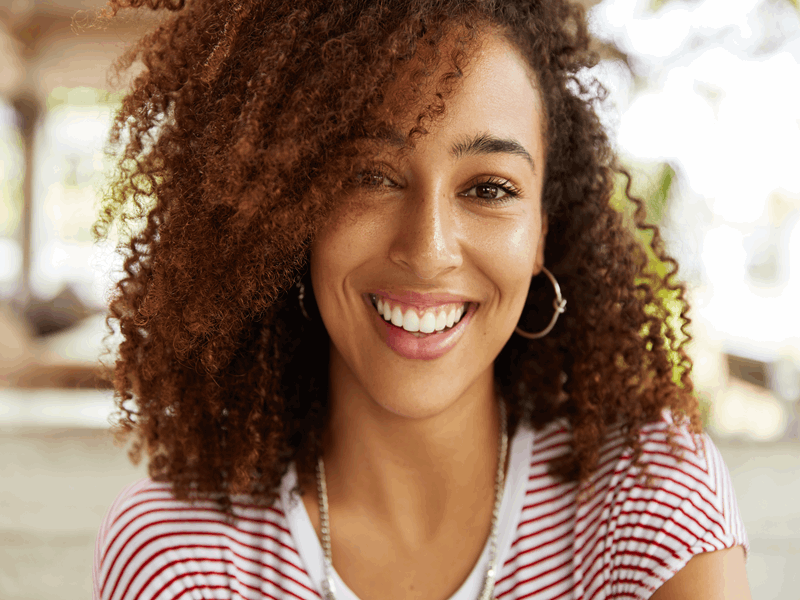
{"x":232,"y":147}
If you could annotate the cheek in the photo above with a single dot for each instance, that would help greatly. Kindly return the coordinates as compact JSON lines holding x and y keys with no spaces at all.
{"x":509,"y":250}
{"x":508,"y":259}
{"x":325,"y":266}
{"x":354,"y":226}
{"x":335,"y":245}
{"x":338,"y":250}
{"x":520,"y":240}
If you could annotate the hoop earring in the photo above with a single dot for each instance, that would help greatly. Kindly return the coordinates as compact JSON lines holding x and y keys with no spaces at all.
{"x":559,"y":303}
{"x":300,"y":296}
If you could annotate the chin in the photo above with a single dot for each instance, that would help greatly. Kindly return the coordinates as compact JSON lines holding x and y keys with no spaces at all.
{"x":420,"y":399}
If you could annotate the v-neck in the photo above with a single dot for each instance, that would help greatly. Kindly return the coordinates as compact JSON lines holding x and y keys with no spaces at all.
{"x":310,"y":549}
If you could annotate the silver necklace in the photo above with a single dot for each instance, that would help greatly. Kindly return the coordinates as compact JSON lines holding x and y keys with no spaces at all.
{"x":491,"y":571}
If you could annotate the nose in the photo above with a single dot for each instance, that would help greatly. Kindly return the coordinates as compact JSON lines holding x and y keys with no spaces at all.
{"x":426,"y":239}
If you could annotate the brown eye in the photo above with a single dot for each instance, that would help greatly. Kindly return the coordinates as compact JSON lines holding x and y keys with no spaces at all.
{"x":371,"y":179}
{"x":374,"y":179}
{"x":493,"y":191}
{"x":488,"y":191}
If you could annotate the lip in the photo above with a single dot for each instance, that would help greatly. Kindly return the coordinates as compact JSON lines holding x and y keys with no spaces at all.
{"x":420,"y":300}
{"x":429,"y":347}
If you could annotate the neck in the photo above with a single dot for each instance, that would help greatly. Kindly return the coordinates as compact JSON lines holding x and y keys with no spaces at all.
{"x":411,"y":476}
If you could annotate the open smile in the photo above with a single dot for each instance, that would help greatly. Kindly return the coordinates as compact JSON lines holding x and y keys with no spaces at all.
{"x":423,"y":320}
{"x":421,"y":333}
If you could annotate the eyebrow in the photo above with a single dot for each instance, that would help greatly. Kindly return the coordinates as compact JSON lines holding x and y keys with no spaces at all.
{"x":486,"y":143}
{"x":481,"y":143}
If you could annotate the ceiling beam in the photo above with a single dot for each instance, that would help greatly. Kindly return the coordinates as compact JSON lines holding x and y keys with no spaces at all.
{"x":45,"y":44}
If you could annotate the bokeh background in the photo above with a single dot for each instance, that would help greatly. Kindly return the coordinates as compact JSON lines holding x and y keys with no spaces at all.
{"x":703,"y":107}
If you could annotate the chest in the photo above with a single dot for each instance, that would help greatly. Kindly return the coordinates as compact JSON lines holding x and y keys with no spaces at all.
{"x":377,"y":571}
{"x":375,"y":567}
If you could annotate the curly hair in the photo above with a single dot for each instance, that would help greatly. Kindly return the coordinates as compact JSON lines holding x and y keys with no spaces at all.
{"x":232,"y":147}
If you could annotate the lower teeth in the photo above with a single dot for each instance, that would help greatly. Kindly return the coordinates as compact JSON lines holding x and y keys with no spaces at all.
{"x":419,"y":334}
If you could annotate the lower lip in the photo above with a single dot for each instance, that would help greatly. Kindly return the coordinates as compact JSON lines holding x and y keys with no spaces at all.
{"x":428,"y":347}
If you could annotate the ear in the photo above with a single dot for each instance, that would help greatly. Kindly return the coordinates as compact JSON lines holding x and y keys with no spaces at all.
{"x":537,"y":267}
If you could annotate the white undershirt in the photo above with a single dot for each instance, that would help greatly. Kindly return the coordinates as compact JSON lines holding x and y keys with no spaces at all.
{"x":310,"y":548}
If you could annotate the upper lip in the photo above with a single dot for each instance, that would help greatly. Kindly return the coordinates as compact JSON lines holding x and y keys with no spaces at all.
{"x":419,"y":299}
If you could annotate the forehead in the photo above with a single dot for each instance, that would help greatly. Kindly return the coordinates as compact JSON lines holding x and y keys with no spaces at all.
{"x":493,"y":92}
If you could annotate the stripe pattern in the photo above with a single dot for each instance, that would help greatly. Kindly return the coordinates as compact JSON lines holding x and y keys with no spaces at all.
{"x":153,"y":546}
{"x":616,"y":536}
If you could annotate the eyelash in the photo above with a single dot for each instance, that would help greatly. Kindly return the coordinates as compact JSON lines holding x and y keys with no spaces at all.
{"x":510,"y":190}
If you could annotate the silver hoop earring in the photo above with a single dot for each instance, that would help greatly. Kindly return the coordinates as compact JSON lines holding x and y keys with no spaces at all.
{"x":559,"y":303}
{"x":300,"y":296}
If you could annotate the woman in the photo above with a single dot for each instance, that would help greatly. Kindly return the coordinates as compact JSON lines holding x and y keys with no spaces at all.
{"x":346,"y":348}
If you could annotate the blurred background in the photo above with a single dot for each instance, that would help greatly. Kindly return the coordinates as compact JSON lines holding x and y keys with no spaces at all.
{"x":704,"y":109}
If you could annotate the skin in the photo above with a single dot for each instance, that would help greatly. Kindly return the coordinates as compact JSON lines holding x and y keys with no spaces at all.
{"x":410,"y":502}
{"x":719,"y":575}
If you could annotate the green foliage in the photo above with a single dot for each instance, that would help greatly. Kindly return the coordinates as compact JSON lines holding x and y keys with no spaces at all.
{"x":653,"y":184}
{"x":82,"y":96}
{"x":705,"y":403}
{"x":11,"y":174}
{"x":655,"y":5}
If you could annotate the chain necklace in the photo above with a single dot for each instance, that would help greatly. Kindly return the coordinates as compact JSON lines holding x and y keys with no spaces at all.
{"x":491,"y":572}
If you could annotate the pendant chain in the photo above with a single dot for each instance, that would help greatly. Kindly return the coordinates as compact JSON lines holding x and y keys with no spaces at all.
{"x":491,"y":571}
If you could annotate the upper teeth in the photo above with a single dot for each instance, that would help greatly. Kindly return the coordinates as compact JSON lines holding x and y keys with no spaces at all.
{"x":427,"y":320}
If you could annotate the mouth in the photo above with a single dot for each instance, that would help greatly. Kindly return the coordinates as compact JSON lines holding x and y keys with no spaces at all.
{"x":420,"y":322}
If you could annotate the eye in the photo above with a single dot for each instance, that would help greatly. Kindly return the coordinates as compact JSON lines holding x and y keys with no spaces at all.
{"x":493,"y":191}
{"x":374,"y":177}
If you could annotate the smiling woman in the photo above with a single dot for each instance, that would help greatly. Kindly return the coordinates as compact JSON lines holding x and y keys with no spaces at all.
{"x":346,"y":351}
{"x":454,"y":224}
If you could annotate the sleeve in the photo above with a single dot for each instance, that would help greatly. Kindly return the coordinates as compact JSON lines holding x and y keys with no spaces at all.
{"x":151,"y":546}
{"x":107,"y":536}
{"x":657,"y":526}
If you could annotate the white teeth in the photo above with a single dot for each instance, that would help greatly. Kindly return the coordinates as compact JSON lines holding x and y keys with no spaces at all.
{"x":397,"y":317}
{"x":441,"y":321}
{"x":428,"y":323}
{"x":410,"y":321}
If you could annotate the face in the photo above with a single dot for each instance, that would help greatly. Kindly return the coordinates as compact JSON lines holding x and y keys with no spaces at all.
{"x":451,"y":228}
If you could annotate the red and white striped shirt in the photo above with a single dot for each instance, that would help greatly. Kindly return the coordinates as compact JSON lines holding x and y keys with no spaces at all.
{"x":617,"y":538}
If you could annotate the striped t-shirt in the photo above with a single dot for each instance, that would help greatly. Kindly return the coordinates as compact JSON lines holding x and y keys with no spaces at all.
{"x":617,"y":538}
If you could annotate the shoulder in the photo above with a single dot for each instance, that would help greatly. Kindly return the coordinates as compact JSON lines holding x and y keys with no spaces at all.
{"x":688,"y":476}
{"x":642,"y":522}
{"x":151,"y":545}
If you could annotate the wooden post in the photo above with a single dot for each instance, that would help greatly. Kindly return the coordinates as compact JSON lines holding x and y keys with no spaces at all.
{"x":28,"y":110}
